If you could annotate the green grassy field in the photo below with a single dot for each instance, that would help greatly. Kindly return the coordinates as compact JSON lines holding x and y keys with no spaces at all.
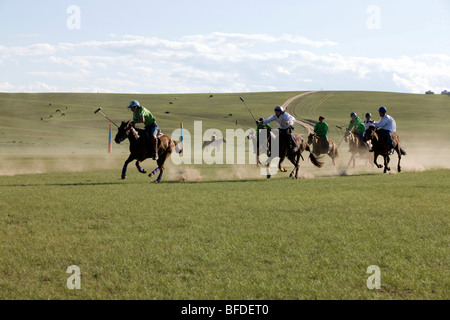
{"x":243,"y":239}
{"x":227,"y":232}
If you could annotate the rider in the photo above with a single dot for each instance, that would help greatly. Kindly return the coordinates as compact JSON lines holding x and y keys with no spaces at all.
{"x":368,"y":122}
{"x":285,"y":125}
{"x":142,"y":115}
{"x":321,"y":130}
{"x":386,"y":127}
{"x":357,"y":127}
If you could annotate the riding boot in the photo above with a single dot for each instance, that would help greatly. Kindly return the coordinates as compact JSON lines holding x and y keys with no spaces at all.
{"x":155,"y":148}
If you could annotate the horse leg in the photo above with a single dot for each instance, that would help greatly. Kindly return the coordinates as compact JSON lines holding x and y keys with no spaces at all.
{"x":399,"y":152}
{"x":125,"y":166}
{"x":386,"y":164}
{"x":296,"y":164}
{"x":162,"y":159}
{"x":350,"y":161}
{"x":279,"y":164}
{"x":375,"y":157}
{"x":139,"y":167}
{"x":158,"y":180}
{"x":154,"y":172}
{"x":333,"y":160}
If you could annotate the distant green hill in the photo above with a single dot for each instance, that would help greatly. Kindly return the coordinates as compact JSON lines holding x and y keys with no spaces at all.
{"x":31,"y":122}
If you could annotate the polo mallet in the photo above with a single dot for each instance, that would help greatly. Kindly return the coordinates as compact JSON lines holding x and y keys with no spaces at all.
{"x":248,"y":109}
{"x":99,"y":110}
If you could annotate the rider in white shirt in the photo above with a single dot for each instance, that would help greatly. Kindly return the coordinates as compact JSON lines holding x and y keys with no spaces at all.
{"x":285,"y":124}
{"x":386,"y":126}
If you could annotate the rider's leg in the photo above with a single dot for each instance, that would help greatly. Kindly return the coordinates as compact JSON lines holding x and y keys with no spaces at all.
{"x":153,"y":139}
{"x":326,"y":143}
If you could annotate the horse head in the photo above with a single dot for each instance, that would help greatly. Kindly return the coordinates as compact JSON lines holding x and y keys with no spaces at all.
{"x":122,"y":132}
{"x":311,"y":138}
{"x":370,"y":134}
{"x":251,"y":135}
{"x":347,"y":134}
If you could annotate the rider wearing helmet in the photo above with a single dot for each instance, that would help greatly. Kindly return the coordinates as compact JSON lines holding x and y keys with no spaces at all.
{"x":142,"y":115}
{"x":321,"y":130}
{"x":369,"y":122}
{"x":285,"y":124}
{"x":356,"y":126}
{"x":386,"y":126}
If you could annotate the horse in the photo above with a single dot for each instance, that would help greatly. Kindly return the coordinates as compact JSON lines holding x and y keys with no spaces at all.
{"x":319,"y":148}
{"x":294,"y":157}
{"x":356,"y":147}
{"x":381,"y":147}
{"x":263,"y":146}
{"x":214,"y":143}
{"x":139,"y":148}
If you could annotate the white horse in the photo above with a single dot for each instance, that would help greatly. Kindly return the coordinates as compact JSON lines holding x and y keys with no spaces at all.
{"x":263,"y":144}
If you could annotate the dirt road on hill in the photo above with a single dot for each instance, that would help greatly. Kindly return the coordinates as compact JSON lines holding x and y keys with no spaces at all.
{"x":290,"y":109}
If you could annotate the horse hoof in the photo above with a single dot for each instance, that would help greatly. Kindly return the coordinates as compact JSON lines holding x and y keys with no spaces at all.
{"x":399,"y":169}
{"x":380,"y":166}
{"x":123,"y":177}
{"x":150,"y":175}
{"x":144,"y":171}
{"x":269,"y":176}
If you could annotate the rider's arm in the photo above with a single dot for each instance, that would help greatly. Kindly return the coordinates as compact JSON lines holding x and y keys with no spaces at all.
{"x":269,"y":119}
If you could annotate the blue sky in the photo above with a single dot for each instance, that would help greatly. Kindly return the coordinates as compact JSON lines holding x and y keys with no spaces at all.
{"x":224,"y":46}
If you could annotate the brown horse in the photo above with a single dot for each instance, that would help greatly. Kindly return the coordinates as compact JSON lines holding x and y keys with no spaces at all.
{"x":294,"y":157}
{"x":319,"y":148}
{"x":356,"y":146}
{"x":139,"y":148}
{"x":381,"y":147}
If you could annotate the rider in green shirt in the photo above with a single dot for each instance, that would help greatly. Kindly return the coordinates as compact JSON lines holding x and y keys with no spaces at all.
{"x":142,"y":115}
{"x":321,"y":130}
{"x":357,"y":127}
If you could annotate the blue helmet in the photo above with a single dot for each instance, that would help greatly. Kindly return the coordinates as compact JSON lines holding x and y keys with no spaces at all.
{"x":382,"y":109}
{"x":353,"y":114}
{"x":278,"y":108}
{"x":134,"y":103}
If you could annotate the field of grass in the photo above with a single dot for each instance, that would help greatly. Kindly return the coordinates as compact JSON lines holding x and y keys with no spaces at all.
{"x":243,"y":239}
{"x":226,"y":233}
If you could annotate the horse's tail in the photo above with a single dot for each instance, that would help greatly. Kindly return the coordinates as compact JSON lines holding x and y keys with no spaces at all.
{"x":315,"y":161}
{"x":178,"y":149}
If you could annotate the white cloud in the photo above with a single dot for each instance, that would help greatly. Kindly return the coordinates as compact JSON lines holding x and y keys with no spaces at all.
{"x":216,"y":62}
{"x":33,"y":87}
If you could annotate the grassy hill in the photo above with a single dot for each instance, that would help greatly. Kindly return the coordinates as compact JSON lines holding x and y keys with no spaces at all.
{"x":22,"y":130}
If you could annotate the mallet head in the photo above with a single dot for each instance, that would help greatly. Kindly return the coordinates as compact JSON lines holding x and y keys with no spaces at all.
{"x":97,"y":111}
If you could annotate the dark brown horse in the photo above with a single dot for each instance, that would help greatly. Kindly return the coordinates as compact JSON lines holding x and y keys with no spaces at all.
{"x":294,"y":157}
{"x":319,"y":148}
{"x":381,"y":147}
{"x":356,"y":146}
{"x":139,"y":148}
